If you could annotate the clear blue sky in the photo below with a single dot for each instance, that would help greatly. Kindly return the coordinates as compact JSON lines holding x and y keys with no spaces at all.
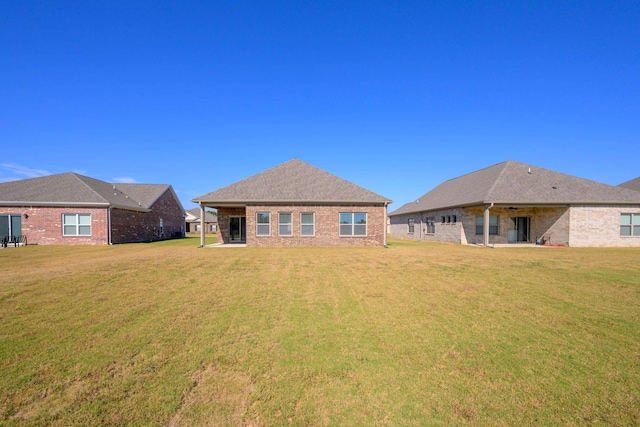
{"x":393,"y":96}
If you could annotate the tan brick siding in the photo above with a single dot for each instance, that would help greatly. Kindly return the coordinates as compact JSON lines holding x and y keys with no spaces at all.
{"x":552,"y":222}
{"x":599,"y":226}
{"x":450,"y":231}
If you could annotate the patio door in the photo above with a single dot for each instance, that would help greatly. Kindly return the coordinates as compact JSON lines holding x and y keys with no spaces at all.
{"x":519,"y":229}
{"x":237,"y":229}
{"x":10,"y":225}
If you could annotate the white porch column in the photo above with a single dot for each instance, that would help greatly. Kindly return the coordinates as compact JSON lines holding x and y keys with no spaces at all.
{"x":202,"y":225}
{"x":485,"y":228}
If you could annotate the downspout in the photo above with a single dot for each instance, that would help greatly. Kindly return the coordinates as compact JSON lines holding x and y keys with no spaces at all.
{"x":201,"y":225}
{"x":109,"y":225}
{"x":485,"y":228}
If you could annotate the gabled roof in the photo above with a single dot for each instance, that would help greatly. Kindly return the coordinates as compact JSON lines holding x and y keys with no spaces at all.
{"x":516,"y":183}
{"x":292,"y":182}
{"x":145,"y":194}
{"x":195,"y":213}
{"x":72,"y":189}
{"x":633,"y":184}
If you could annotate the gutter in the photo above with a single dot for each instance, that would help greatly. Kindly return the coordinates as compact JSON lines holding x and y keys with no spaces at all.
{"x":287,"y":202}
{"x":75,"y":204}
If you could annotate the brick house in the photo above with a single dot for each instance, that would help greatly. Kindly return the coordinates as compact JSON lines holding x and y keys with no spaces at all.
{"x":70,"y":208}
{"x":194,"y":222}
{"x":522,"y":204}
{"x":297,"y":204}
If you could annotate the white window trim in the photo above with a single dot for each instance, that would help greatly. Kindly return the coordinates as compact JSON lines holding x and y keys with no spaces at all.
{"x":353,"y":224}
{"x":312,"y":224}
{"x":632,"y":225}
{"x":259,"y":224}
{"x":285,"y":223}
{"x":77,"y":225}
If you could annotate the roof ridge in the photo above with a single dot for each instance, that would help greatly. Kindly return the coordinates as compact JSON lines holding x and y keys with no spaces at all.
{"x":500,"y":175}
{"x":165,"y":188}
{"x":80,"y":177}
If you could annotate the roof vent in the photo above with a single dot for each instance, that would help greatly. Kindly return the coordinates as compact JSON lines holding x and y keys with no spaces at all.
{"x":529,"y":171}
{"x":114,"y":187}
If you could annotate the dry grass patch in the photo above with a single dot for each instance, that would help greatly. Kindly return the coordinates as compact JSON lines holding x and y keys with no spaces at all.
{"x":168,"y":334}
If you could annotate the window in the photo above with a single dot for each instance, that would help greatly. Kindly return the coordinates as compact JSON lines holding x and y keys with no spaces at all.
{"x":263,"y":224}
{"x":284,"y":224}
{"x":493,"y":224}
{"x":353,"y":224}
{"x":161,"y":226}
{"x":455,"y":219}
{"x":630,"y":224}
{"x":431,"y":225}
{"x":448,"y":219}
{"x":411,"y":225}
{"x":76,"y":224}
{"x":307,"y":224}
{"x":444,"y":219}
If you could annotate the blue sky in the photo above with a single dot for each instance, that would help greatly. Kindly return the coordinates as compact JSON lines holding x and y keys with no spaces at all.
{"x":393,"y":96}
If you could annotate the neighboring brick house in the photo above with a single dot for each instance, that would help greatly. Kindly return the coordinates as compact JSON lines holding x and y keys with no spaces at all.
{"x":70,"y":208}
{"x":522,"y":204}
{"x":194,"y":223}
{"x":297,"y":204}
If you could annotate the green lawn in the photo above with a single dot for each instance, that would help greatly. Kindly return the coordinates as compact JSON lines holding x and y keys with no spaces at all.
{"x":417,"y":334}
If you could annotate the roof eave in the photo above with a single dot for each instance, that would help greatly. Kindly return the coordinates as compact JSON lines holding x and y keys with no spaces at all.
{"x":237,"y":203}
{"x":519,"y":204}
{"x":54,"y":204}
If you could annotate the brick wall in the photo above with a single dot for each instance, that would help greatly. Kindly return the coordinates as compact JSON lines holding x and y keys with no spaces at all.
{"x":450,"y":231}
{"x":599,"y":226}
{"x":223,"y":221}
{"x":544,"y":221}
{"x":552,"y":222}
{"x":133,"y":226}
{"x":44,"y":225}
{"x":326,"y":227}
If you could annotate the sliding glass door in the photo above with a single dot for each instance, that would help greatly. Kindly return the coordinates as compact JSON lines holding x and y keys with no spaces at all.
{"x":519,"y":228}
{"x":10,"y":225}
{"x":237,"y":229}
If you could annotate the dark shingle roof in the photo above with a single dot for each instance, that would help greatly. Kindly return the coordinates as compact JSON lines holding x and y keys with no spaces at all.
{"x":294,"y":182}
{"x":511,"y":182}
{"x":633,"y":184}
{"x":73,"y":189}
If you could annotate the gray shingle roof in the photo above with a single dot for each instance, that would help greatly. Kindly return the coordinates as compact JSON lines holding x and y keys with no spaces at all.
{"x":511,"y":182}
{"x":145,"y":194}
{"x":292,"y":182}
{"x":207,"y":216}
{"x":73,"y":189}
{"x":633,"y":184}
